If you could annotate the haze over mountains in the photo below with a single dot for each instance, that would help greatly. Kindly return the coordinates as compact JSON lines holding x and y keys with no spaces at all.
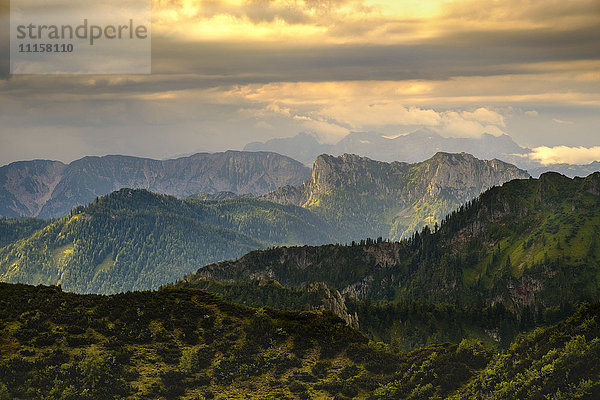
{"x":416,"y":146}
{"x":50,"y":189}
{"x":519,"y":256}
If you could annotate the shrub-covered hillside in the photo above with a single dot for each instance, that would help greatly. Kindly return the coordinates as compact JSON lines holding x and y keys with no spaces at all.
{"x":189,"y":344}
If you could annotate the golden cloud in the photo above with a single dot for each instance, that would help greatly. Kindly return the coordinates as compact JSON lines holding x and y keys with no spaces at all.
{"x":361,"y":21}
{"x":565,"y":154}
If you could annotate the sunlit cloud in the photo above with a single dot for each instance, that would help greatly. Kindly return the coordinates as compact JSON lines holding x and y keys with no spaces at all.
{"x":561,"y":121}
{"x":564,"y":154}
{"x":360,"y":21}
{"x":333,"y":109}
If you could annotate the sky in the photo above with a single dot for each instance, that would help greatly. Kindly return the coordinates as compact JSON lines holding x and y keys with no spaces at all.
{"x":229,"y":72}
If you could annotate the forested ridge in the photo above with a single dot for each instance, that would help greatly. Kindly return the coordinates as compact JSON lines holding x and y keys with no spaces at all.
{"x":12,"y":230}
{"x":519,"y":256}
{"x":135,"y":239}
{"x":510,"y":237}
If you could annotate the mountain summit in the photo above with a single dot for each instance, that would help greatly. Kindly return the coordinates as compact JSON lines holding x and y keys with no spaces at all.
{"x":409,"y":147}
{"x":364,"y":197}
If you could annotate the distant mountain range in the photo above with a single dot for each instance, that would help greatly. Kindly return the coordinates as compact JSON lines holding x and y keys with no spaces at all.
{"x":415,"y":147}
{"x":135,"y":239}
{"x":366,"y":198}
{"x":50,"y":189}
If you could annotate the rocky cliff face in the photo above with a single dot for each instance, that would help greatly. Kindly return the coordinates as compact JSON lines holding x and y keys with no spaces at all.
{"x":394,"y":198}
{"x":592,"y":184}
{"x":333,"y":301}
{"x":463,"y":176}
{"x":459,"y":175}
{"x":26,"y":186}
{"x":52,"y":189}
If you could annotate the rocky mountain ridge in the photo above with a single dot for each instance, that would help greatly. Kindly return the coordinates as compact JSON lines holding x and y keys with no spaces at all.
{"x":50,"y":189}
{"x":403,"y":196}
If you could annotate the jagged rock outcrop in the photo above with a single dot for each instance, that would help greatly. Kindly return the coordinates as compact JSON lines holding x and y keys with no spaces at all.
{"x":462,"y":175}
{"x":51,"y":189}
{"x":332,"y":300}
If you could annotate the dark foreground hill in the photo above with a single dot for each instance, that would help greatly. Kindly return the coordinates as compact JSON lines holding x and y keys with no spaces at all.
{"x":188,"y":344}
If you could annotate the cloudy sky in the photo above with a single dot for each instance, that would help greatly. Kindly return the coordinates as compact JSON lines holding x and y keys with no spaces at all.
{"x":228,"y":72}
